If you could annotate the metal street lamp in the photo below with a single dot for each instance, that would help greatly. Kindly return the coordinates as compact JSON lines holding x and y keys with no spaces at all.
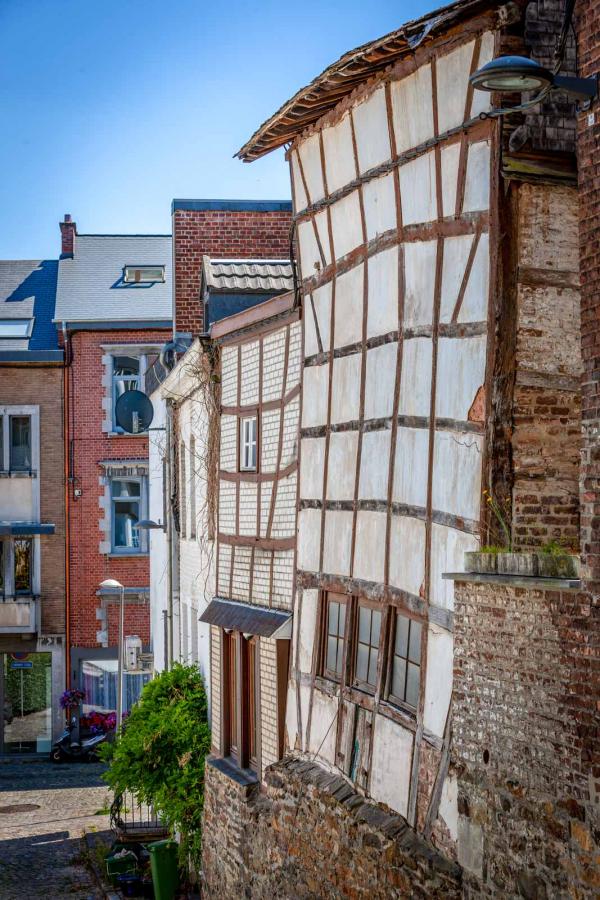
{"x":514,"y":74}
{"x":111,"y":584}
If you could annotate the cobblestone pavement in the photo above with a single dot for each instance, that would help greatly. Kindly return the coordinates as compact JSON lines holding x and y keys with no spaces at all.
{"x":40,"y":847}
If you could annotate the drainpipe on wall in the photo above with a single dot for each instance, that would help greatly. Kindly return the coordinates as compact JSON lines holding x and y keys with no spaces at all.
{"x":173,"y":598}
{"x":67,"y":478}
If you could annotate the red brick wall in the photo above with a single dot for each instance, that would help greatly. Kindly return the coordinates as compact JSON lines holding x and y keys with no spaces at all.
{"x":588,"y":28}
{"x":43,"y":387}
{"x":90,"y":445}
{"x":225,"y":234}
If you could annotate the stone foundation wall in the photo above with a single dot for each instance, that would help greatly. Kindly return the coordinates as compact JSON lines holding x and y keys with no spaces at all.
{"x":310,"y":835}
{"x":525,"y":732}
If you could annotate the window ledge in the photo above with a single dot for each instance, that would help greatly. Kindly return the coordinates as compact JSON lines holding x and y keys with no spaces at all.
{"x":244,"y":778}
{"x":18,"y":598}
{"x":125,"y":434}
{"x":134,"y":554}
{"x":19,"y":473}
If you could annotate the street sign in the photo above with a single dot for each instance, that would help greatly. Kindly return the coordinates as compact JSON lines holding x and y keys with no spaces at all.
{"x":21,"y":664}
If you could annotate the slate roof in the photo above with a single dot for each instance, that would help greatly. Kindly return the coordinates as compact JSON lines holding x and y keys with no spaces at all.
{"x":28,"y":291}
{"x":91,"y":287}
{"x":243,"y":276}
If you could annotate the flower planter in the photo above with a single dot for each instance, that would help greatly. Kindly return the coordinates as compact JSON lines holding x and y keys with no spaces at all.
{"x":554,"y":565}
{"x":481,"y":563}
{"x":525,"y":565}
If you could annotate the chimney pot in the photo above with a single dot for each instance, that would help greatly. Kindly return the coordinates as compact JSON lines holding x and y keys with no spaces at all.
{"x":68,"y":231}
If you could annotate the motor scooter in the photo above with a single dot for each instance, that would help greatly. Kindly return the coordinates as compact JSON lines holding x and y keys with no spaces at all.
{"x":69,"y":746}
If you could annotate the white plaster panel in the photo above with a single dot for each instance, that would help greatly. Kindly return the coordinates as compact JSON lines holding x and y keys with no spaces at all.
{"x":382,"y":315}
{"x":450,"y":156}
{"x":311,"y":468}
{"x":438,"y":682}
{"x":374,"y":465}
{"x":407,"y":554}
{"x":304,"y":707}
{"x":309,"y":537}
{"x":345,"y":395}
{"x":322,"y":732}
{"x":457,"y":473}
{"x":339,"y":154}
{"x":391,"y":764}
{"x":369,"y":553}
{"x":291,"y":717}
{"x":381,"y":380}
{"x":379,"y":202}
{"x":308,"y":627}
{"x":346,"y":225}
{"x":448,"y":546}
{"x":349,"y":307}
{"x":300,"y":199}
{"x":323,"y":230}
{"x":411,"y":465}
{"x":310,"y":154}
{"x":419,"y":268}
{"x":452,"y":83}
{"x":371,"y":130}
{"x":412,"y":109}
{"x":477,"y":185}
{"x":338,"y":537}
{"x":448,"y":810}
{"x":456,"y":255}
{"x":321,"y":299}
{"x":341,"y":467}
{"x":482,"y":100}
{"x":415,"y":382}
{"x":314,"y":401}
{"x":309,"y":249}
{"x":460,"y":374}
{"x":417,"y":190}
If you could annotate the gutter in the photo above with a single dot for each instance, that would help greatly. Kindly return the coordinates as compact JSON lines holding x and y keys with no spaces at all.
{"x":68,"y":361}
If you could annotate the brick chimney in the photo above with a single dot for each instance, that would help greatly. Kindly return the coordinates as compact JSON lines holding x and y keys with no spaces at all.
{"x":230,"y":229}
{"x":68,"y":230}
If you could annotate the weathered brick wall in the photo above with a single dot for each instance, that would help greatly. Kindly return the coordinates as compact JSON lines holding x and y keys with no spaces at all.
{"x":525,"y":728}
{"x":546,"y":436}
{"x":310,"y":835}
{"x":43,"y":387}
{"x":228,"y":231}
{"x":91,"y":446}
{"x":588,"y":17}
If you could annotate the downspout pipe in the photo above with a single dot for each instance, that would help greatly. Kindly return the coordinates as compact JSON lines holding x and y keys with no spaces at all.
{"x":67,"y":486}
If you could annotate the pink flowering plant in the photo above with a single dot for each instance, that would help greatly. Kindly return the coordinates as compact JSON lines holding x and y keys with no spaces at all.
{"x":71,"y":699}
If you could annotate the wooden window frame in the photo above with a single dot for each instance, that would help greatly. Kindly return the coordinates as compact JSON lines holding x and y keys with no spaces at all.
{"x":344,"y":600}
{"x":391,"y":698}
{"x":251,"y":414}
{"x":240,"y":661}
{"x":361,"y":603}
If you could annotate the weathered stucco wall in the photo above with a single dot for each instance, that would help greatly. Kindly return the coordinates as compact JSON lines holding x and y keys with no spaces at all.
{"x":525,"y":727}
{"x":309,"y":835}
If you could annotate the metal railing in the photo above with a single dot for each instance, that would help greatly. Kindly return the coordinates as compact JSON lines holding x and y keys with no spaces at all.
{"x":135,"y":821}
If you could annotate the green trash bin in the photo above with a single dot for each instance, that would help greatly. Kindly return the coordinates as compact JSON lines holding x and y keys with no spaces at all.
{"x":165,"y":874}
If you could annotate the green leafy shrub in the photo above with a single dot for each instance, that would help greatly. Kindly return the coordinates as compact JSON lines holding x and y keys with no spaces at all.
{"x":159,"y":754}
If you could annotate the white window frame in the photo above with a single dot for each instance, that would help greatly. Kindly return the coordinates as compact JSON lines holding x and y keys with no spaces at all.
{"x":142,"y":547}
{"x":26,"y":333}
{"x":6,"y":413}
{"x":248,"y":441}
{"x":7,"y":560}
{"x":130,"y":271}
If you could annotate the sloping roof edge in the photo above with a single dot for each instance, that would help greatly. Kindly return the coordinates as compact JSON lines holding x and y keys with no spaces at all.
{"x":325,"y":91}
{"x":245,"y":617}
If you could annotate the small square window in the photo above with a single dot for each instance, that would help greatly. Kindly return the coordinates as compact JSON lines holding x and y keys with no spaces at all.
{"x":248,"y":443}
{"x":334,"y":637}
{"x":126,"y":499}
{"x":15,"y":328}
{"x":405,"y":673}
{"x":20,"y":443}
{"x":143,"y":274}
{"x":367,"y":647}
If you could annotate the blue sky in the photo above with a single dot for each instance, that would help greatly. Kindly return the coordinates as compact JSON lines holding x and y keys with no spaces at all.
{"x":110,"y":109}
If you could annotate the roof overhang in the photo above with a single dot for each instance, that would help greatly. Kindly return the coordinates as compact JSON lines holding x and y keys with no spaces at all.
{"x":248,"y":619}
{"x":255,"y":315}
{"x":23,"y":529}
{"x":353,"y":68}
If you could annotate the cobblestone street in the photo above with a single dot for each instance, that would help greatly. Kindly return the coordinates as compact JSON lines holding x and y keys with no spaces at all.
{"x":44,"y":810}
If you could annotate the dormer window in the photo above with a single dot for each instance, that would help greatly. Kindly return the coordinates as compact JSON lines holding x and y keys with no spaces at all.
{"x":15,"y":328}
{"x":143,"y":274}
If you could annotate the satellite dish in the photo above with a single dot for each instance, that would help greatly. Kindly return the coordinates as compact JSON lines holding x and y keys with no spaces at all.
{"x":134,"y":412}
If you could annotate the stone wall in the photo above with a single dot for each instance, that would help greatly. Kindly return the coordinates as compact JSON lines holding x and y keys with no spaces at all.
{"x":525,"y":725}
{"x":263,"y":845}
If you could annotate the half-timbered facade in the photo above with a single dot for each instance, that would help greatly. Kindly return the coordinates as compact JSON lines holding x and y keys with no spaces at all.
{"x":250,"y":617}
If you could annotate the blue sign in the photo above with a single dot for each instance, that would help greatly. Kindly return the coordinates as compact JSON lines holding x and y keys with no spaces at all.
{"x":18,"y":664}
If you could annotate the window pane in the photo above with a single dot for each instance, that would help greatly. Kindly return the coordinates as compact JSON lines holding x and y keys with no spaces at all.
{"x":414,"y":649}
{"x":14,"y":328}
{"x":2,"y":559}
{"x":362,"y":662}
{"x":22,"y":566}
{"x":375,"y":627}
{"x":126,"y":365}
{"x":401,"y":636}
{"x":20,"y":442}
{"x":364,"y":624}
{"x":342,"y":624}
{"x":398,"y":677}
{"x":334,"y":613}
{"x":332,"y":654}
{"x":372,"y":676}
{"x":126,"y":517}
{"x":126,"y":488}
{"x":412,"y":684}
